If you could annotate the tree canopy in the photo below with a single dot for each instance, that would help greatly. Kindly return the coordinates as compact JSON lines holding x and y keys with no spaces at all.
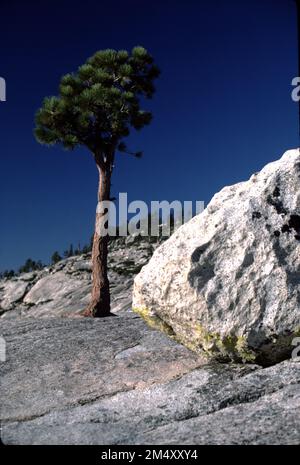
{"x":97,"y":105}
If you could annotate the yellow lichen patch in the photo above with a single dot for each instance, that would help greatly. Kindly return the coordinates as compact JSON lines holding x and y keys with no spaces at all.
{"x":247,"y":355}
{"x":197,"y":339}
{"x":227,"y":347}
{"x":153,"y":320}
{"x":231,"y":347}
{"x":297,"y":332}
{"x":223,"y":348}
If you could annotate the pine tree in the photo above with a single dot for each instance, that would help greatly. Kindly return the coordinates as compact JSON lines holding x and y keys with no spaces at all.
{"x":78,"y":250}
{"x":85,"y":249}
{"x":69,"y":252}
{"x":55,"y":258}
{"x":96,"y":108}
{"x":39,"y":265}
{"x":28,"y":266}
{"x":9,"y":274}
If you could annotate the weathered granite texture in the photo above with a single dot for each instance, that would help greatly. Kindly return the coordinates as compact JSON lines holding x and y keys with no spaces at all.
{"x":115,"y":381}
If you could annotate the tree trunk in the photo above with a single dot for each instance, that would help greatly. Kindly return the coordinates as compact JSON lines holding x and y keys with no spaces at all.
{"x":100,"y":299}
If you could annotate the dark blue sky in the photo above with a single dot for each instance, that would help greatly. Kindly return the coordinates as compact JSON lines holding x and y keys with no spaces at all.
{"x":222,"y":110}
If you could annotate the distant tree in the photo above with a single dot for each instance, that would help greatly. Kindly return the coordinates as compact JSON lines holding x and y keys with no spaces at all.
{"x":70,"y":252}
{"x":29,"y":265}
{"x":8,"y":274}
{"x":86,"y":249}
{"x":39,"y":265}
{"x":24,"y":268}
{"x":96,"y":108}
{"x":78,"y":250}
{"x":55,"y":258}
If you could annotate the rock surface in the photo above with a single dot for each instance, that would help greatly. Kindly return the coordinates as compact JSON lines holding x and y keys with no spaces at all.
{"x":64,"y":289}
{"x":115,"y":381}
{"x":228,"y":281}
{"x":226,"y":284}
